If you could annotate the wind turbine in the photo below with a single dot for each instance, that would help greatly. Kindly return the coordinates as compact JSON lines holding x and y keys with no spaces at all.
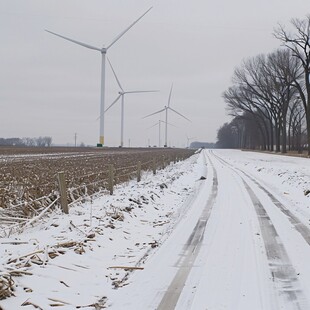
{"x":166,"y":109}
{"x":159,"y":129}
{"x":103,"y":50}
{"x":122,"y":94}
{"x":188,"y":139}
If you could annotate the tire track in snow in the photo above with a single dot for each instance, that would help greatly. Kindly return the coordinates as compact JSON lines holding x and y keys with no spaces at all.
{"x":299,"y":226}
{"x":283,"y":273}
{"x":294,"y":220}
{"x":190,"y":252}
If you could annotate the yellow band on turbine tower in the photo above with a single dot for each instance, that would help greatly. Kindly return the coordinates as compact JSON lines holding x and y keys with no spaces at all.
{"x":101,"y":140}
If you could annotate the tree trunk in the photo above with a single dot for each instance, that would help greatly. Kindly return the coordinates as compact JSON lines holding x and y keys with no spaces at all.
{"x":284,"y":137}
{"x":308,"y":130}
{"x":271,"y":136}
{"x":277,"y":136}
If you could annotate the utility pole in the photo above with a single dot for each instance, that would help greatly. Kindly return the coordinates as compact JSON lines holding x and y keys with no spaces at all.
{"x":75,"y":137}
{"x":159,"y":133}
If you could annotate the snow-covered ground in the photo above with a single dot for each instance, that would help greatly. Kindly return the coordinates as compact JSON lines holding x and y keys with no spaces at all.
{"x":237,"y":240}
{"x":74,"y":255}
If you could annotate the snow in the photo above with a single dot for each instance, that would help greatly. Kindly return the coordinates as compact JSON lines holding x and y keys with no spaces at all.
{"x":236,"y":240}
{"x":145,"y":214}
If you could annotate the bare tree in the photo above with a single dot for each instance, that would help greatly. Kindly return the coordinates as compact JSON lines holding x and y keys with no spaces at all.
{"x":242,"y":105}
{"x":43,"y":141}
{"x":241,"y":132}
{"x":251,"y":94}
{"x":227,"y":137}
{"x":298,"y":43}
{"x":29,"y":141}
{"x":263,"y":88}
{"x":297,"y":125}
{"x":40,"y":142}
{"x":48,"y":141}
{"x":281,"y":68}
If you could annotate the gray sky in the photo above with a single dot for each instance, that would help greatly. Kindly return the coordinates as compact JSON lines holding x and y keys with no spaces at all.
{"x":51,"y":87}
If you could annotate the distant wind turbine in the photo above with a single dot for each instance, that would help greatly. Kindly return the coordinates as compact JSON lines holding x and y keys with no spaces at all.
{"x":159,"y":129}
{"x":167,"y":108}
{"x":103,"y":50}
{"x":122,"y":94}
{"x":188,"y":140}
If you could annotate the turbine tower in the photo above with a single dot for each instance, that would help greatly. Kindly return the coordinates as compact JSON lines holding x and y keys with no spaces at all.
{"x":122,"y":94}
{"x":166,"y":109}
{"x":188,"y":140}
{"x":159,"y":129}
{"x":103,"y":50}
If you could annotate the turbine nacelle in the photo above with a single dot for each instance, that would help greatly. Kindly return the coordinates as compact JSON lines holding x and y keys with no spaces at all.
{"x":103,"y":50}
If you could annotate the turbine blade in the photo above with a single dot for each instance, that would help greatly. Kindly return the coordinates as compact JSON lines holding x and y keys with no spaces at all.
{"x":154,"y":113}
{"x":141,"y":91}
{"x":179,"y":114}
{"x":116,"y":78}
{"x":170,"y":95}
{"x":117,"y":98}
{"x":74,"y":41}
{"x":152,"y":126}
{"x":168,"y":124}
{"x":172,"y":125}
{"x":122,"y":33}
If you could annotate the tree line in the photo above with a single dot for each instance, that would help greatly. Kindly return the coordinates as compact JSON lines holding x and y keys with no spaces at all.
{"x":269,"y":98}
{"x":31,"y":142}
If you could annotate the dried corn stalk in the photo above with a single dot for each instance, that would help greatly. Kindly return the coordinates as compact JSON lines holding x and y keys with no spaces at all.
{"x":6,"y":286}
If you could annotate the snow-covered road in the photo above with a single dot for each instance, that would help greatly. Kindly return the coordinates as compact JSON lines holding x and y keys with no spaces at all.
{"x":237,"y":240}
{"x":243,"y":245}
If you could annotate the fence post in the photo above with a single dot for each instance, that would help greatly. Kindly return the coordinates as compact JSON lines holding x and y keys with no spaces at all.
{"x":63,"y":192}
{"x":111,"y":179}
{"x":154,"y":166}
{"x":139,"y":171}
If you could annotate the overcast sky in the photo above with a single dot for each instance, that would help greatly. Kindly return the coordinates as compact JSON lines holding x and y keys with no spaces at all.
{"x":51,"y":87}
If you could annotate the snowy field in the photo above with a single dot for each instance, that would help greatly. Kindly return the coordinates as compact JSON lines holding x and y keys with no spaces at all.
{"x":237,"y":240}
